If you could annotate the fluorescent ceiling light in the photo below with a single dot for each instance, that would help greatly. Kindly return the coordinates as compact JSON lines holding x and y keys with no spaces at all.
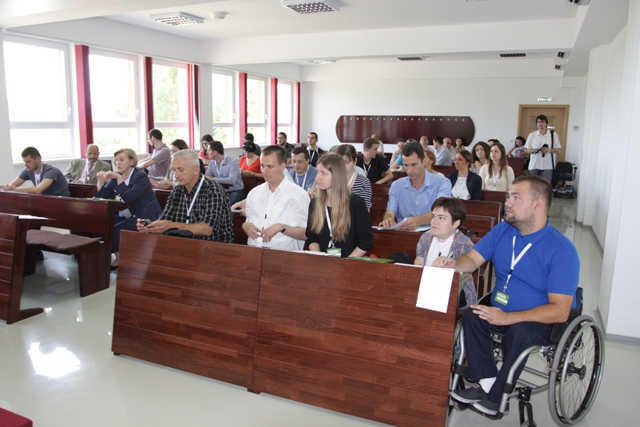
{"x":177,"y":18}
{"x":323,"y":61}
{"x":309,"y":6}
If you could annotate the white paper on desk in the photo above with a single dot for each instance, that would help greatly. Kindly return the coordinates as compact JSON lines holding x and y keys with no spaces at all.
{"x":435,"y":287}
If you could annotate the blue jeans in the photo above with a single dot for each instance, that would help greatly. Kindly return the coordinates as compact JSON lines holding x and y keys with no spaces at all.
{"x":545,"y":173}
{"x":516,"y":339}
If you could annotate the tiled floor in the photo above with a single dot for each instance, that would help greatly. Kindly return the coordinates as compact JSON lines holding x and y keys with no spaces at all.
{"x":57,"y":368}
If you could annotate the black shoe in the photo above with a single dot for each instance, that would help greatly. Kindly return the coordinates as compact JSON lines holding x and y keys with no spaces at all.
{"x":490,"y":408}
{"x":39,"y":256}
{"x":470,"y":395}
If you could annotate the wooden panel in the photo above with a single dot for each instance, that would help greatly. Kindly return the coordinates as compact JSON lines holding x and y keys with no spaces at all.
{"x":347,"y":336}
{"x":484,"y":208}
{"x":356,"y":128}
{"x":379,"y":201}
{"x":162,"y":196}
{"x":82,"y":191}
{"x":517,"y":164}
{"x":241,"y":237}
{"x":386,"y":242}
{"x":189,"y":304}
{"x":494,"y":196}
{"x":482,"y":224}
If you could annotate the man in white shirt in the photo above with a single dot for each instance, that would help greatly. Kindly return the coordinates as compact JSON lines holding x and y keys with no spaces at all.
{"x":83,"y":171}
{"x":276,"y":210}
{"x":538,"y":147}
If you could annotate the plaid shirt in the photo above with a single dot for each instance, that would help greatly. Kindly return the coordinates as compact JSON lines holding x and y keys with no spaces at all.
{"x":211,"y":207}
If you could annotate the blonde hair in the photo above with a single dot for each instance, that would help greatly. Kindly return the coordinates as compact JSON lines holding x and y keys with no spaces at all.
{"x":340,"y":194}
{"x":129,"y":152}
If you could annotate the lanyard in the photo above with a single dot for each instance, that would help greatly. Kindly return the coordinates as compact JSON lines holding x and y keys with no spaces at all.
{"x":326,"y":211}
{"x":303,"y":181}
{"x":353,"y":178}
{"x":515,"y":260}
{"x":219,"y":166}
{"x":195,"y":196}
{"x":312,"y":153}
{"x":364,"y":165}
{"x":495,"y":181}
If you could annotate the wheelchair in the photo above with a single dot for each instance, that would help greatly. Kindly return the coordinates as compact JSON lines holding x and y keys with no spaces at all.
{"x":573,"y":371}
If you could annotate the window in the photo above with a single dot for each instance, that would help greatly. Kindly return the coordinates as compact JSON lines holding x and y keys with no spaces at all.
{"x":171,"y":100}
{"x":257,"y":108}
{"x":223,"y":96}
{"x":39,"y":97}
{"x":117,"y":122}
{"x":285,"y":108}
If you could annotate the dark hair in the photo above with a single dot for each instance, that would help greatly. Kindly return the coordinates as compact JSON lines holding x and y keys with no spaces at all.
{"x":540,"y":187}
{"x":301,"y":150}
{"x":314,"y":134}
{"x":283,"y":134}
{"x":486,"y":149}
{"x":31,"y":151}
{"x":495,"y":141}
{"x":524,"y":141}
{"x":411,"y":148}
{"x":206,"y":137}
{"x":216,"y":146}
{"x":180,"y":143}
{"x":249,"y":146}
{"x":369,"y":143}
{"x":278,"y":150}
{"x":248,"y":137}
{"x":543,"y":118}
{"x":502,"y":163}
{"x":466,"y":155}
{"x":455,"y":207}
{"x":438,"y":139}
{"x":155,"y":133}
{"x":401,"y":140}
{"x":347,"y":150}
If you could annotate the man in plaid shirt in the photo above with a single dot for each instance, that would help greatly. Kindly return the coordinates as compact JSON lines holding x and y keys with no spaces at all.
{"x":196,"y":204}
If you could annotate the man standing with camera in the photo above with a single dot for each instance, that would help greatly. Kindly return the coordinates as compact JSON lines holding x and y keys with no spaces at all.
{"x":538,"y":145}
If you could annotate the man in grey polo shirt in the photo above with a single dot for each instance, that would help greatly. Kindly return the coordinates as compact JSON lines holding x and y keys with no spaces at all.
{"x":225,"y":170}
{"x":46,"y":179}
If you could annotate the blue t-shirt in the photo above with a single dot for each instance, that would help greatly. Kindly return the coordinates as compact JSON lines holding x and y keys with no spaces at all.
{"x":551,"y":265}
{"x":305,"y":181}
{"x":59,"y":185}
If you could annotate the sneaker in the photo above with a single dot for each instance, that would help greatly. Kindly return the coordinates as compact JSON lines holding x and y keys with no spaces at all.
{"x":490,"y":408}
{"x":470,"y":395}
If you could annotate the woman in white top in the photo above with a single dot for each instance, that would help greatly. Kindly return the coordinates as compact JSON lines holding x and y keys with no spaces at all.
{"x":497,"y":175}
{"x":465,"y":184}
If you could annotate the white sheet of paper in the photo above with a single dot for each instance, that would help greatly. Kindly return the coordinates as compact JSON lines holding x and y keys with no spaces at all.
{"x":435,"y":287}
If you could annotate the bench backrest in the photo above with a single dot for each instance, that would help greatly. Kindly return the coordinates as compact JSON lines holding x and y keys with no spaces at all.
{"x":484,"y":208}
{"x":82,"y":191}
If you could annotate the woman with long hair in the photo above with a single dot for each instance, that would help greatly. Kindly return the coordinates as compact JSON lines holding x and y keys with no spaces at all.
{"x":339,"y":222}
{"x":480,"y":156}
{"x":430,"y":158}
{"x":465,"y":184}
{"x":497,"y":175}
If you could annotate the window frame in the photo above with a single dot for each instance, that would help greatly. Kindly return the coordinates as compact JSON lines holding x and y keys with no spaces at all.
{"x":267,"y":112}
{"x":233,"y":125}
{"x":171,"y":125}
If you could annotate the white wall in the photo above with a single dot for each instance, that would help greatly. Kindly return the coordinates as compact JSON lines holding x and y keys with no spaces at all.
{"x":6,"y":166}
{"x":395,"y":89}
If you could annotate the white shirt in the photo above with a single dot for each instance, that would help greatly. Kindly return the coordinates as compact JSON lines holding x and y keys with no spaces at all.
{"x":535,"y":141}
{"x":288,"y":204}
{"x":439,"y":248}
{"x":460,"y":190}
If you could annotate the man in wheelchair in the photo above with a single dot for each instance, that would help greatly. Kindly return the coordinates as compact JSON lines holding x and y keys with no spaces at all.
{"x":536,"y":270}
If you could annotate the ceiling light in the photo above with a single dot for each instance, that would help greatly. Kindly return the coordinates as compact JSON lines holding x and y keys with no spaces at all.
{"x":177,"y":18}
{"x":323,"y":61}
{"x":410,"y":58}
{"x":308,"y":6}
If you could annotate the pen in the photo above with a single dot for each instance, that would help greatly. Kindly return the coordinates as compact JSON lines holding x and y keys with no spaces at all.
{"x":448,"y":257}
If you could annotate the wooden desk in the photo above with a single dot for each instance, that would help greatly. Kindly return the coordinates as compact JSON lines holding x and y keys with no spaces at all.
{"x":347,"y":336}
{"x":188,"y":304}
{"x":82,"y":191}
{"x":13,"y":242}
{"x":84,"y":216}
{"x":517,"y":164}
{"x":484,"y":208}
{"x":335,"y":333}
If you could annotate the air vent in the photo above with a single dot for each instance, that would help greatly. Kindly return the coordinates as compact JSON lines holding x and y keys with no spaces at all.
{"x":307,"y":6}
{"x":177,"y":19}
{"x":563,"y":55}
{"x":513,"y":55}
{"x":322,"y":61}
{"x":410,"y":58}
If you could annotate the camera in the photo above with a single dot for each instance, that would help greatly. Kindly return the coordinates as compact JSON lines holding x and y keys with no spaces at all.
{"x":540,"y":149}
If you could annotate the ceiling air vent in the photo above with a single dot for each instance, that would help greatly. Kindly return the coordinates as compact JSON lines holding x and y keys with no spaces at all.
{"x":310,"y":6}
{"x":513,"y":55}
{"x":411,"y":58}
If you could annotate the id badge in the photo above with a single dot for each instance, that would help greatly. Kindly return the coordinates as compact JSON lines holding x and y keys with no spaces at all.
{"x":502,"y":298}
{"x":334,"y":252}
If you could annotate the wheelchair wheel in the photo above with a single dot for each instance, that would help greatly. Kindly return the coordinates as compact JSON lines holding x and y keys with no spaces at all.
{"x":576,"y":371}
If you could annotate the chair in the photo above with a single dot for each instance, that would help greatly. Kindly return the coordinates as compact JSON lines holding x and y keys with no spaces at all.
{"x":564,"y":172}
{"x":573,"y":371}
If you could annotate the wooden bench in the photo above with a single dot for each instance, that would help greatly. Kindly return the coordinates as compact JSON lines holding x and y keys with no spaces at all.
{"x":335,"y":333}
{"x":250,"y":182}
{"x":494,"y":196}
{"x":162,"y":196}
{"x":82,"y":191}
{"x":83,"y":216}
{"x":484,"y":208}
{"x":13,"y":241}
{"x":379,"y":201}
{"x":517,"y":164}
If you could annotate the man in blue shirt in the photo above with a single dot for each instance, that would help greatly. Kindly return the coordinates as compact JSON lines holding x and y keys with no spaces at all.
{"x":225,"y":170}
{"x":46,"y":179}
{"x":537,"y":273}
{"x":303,"y":174}
{"x":411,"y":197}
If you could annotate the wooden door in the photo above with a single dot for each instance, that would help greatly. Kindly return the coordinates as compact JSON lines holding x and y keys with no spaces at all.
{"x":558,"y":116}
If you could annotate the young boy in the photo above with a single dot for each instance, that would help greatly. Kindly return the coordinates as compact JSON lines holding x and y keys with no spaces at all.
{"x":444,"y":238}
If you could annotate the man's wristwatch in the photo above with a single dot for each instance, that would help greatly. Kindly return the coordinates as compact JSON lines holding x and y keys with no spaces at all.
{"x":284,"y":228}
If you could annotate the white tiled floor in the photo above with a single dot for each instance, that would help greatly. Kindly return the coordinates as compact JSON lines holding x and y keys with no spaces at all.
{"x":57,"y":368}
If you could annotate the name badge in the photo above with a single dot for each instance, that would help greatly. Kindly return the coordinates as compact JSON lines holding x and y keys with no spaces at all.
{"x":502,"y":298}
{"x":334,"y":252}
